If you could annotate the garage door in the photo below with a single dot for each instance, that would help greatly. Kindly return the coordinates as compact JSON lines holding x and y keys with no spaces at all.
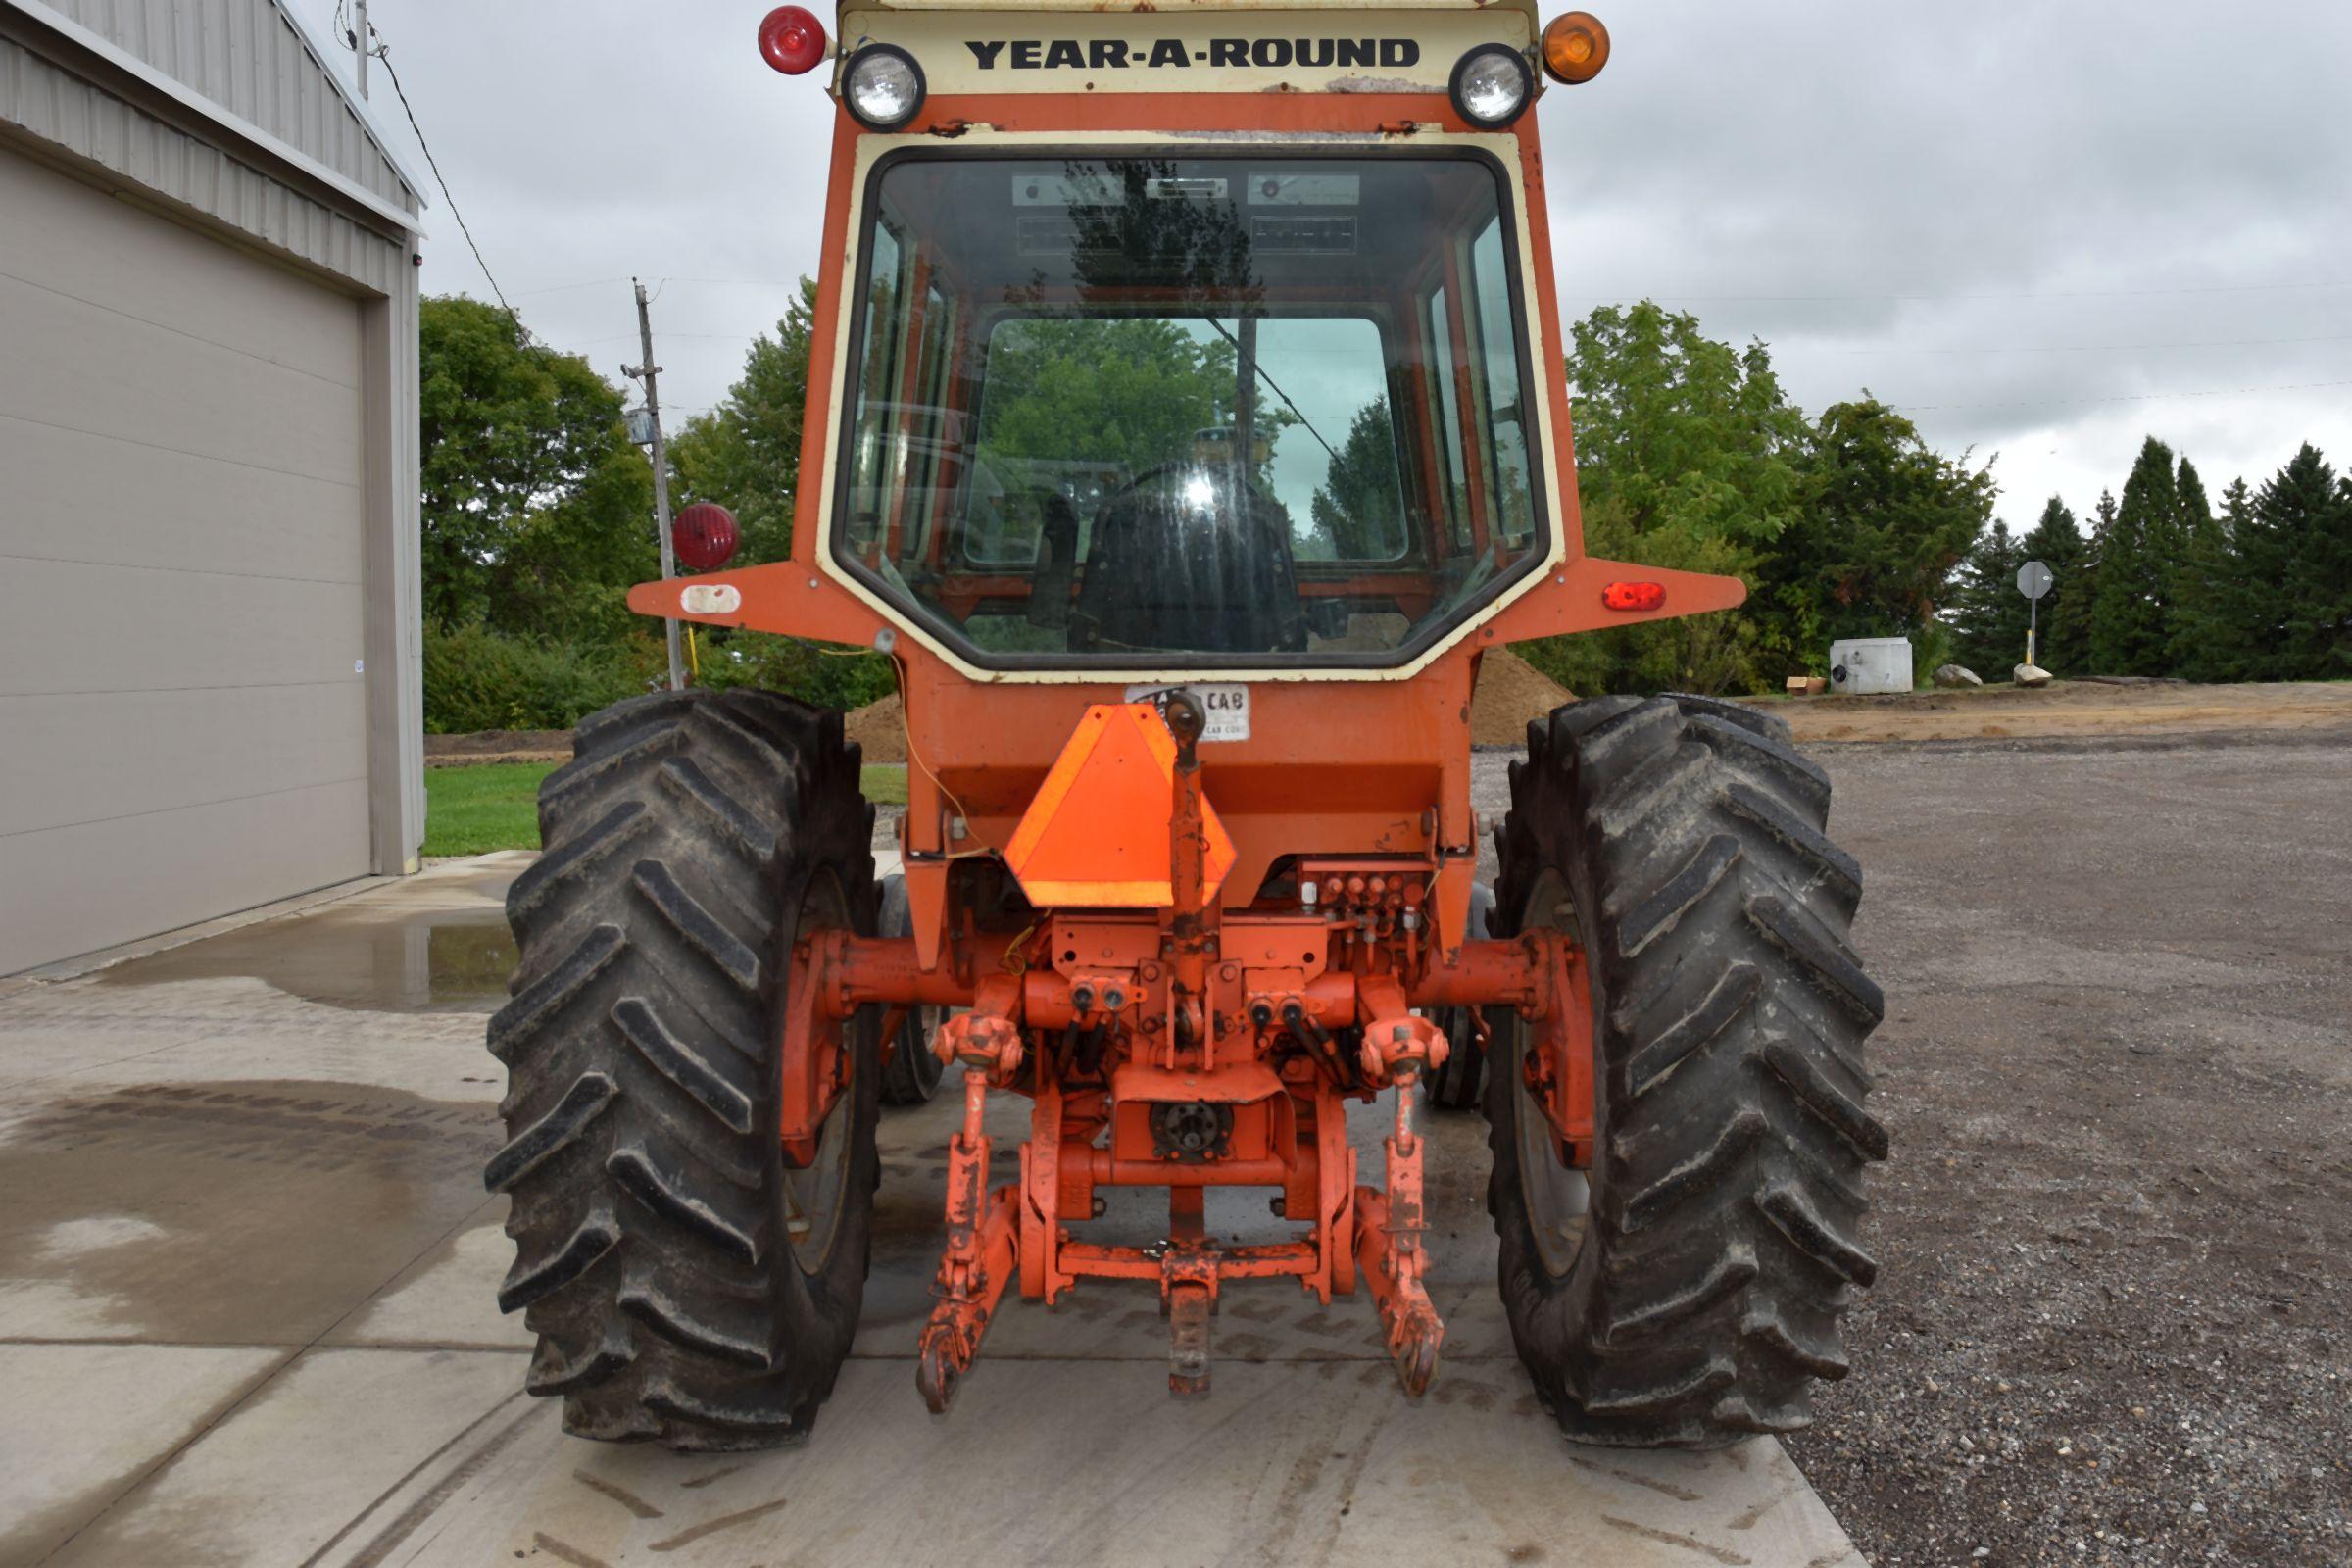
{"x":181,"y":725}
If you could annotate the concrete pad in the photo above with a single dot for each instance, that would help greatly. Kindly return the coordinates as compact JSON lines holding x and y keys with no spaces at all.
{"x":301,"y":1459}
{"x":272,"y":1139}
{"x":44,"y":1034}
{"x":1054,"y":1462}
{"x":439,"y":1058}
{"x":87,"y":962}
{"x":233,"y":1212}
{"x":85,"y":1421}
{"x":446,"y":1298}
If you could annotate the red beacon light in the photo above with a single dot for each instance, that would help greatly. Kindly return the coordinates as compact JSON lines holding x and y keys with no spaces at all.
{"x":792,"y":40}
{"x":704,"y":536}
{"x":1634,"y":596}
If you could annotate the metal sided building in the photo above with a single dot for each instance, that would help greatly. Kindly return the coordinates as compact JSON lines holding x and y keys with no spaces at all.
{"x":210,"y":664}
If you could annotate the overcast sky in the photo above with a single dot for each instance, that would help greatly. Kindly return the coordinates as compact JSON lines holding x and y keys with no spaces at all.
{"x":2043,"y":229}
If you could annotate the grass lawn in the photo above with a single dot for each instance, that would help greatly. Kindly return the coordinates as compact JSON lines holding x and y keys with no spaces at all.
{"x":473,"y":810}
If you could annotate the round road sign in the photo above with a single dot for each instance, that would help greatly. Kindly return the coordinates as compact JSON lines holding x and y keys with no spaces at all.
{"x":2033,"y":579}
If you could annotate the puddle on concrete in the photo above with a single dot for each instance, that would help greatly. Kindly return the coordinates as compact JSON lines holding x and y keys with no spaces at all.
{"x":368,"y":959}
{"x":246,"y":1213}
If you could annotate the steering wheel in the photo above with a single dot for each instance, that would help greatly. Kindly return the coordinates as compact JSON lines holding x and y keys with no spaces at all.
{"x":1157,"y":469}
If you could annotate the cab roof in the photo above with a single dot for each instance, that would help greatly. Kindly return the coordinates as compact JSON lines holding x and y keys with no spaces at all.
{"x":1524,"y":8}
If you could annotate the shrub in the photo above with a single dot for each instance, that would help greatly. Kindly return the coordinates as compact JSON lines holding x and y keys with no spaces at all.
{"x":827,"y":677}
{"x":475,"y":678}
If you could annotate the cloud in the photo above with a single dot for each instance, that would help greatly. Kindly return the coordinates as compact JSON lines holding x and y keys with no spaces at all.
{"x":2009,"y":217}
{"x":2035,"y":227}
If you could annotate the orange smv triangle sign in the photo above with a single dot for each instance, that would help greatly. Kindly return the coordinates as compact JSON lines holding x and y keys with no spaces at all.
{"x":1097,"y":835}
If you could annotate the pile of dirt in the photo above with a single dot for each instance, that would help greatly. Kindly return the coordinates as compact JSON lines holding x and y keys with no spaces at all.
{"x":879,"y":729}
{"x":498,"y":745}
{"x":1511,"y":695}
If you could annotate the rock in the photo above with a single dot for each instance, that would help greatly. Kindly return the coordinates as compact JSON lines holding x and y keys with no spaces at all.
{"x":1956,"y":675}
{"x":2031,"y":675}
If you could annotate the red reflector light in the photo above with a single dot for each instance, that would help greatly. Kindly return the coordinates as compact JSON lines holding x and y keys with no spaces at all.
{"x":704,"y":536}
{"x":1634,"y":596}
{"x":792,"y":40}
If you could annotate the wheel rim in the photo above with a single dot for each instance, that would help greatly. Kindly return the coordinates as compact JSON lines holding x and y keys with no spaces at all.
{"x":916,"y":1036}
{"x":814,"y":1194}
{"x":1557,"y":1197}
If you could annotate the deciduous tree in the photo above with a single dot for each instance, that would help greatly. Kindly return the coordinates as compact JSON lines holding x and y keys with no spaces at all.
{"x":745,"y":453}
{"x":1687,"y":454}
{"x":536,"y":510}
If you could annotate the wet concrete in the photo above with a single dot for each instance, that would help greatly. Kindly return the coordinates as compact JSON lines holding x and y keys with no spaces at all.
{"x":246,"y":1315}
{"x":357,"y":955}
{"x":225,"y":1213}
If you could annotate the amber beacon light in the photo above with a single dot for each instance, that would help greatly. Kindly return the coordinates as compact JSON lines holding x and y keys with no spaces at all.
{"x":1575,"y":47}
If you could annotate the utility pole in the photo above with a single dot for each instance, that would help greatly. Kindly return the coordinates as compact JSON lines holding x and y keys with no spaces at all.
{"x":649,"y":373}
{"x":358,"y":33}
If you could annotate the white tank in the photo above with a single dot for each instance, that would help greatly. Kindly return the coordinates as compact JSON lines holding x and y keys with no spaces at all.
{"x":1862,"y":666}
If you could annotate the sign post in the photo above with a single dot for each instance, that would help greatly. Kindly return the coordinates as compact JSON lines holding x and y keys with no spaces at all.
{"x":2032,"y":580}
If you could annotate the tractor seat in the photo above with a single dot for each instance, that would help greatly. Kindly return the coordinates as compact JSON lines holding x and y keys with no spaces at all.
{"x":1186,"y":557}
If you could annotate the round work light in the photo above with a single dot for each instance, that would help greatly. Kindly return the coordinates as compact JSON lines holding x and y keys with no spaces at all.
{"x":883,"y":87}
{"x":1490,"y":86}
{"x":792,"y":40}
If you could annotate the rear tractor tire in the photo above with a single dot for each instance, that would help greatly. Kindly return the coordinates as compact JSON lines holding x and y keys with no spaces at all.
{"x":1461,"y":1081}
{"x":1686,"y":1290}
{"x":686,"y":1285}
{"x":911,"y":1075}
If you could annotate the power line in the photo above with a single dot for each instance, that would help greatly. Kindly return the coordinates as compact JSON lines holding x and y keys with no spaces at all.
{"x":1801,"y":347}
{"x":2051,"y":294}
{"x":566,"y":288}
{"x":717,"y":282}
{"x":718,"y":337}
{"x":2128,"y":397}
{"x":383,"y":52}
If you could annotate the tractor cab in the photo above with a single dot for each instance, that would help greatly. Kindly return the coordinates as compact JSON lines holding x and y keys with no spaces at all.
{"x":1054,"y":360}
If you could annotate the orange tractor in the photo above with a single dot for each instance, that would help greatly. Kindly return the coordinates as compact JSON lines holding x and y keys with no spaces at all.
{"x":1186,"y":421}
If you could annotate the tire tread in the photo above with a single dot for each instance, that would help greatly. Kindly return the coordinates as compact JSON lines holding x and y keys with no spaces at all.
{"x":1722,"y":1239}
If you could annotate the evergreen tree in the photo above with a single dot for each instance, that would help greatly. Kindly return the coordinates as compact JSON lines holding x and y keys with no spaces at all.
{"x":2129,"y":609}
{"x":1887,"y":522}
{"x":2293,"y":617}
{"x":1356,"y":511}
{"x":1987,"y":611}
{"x":2063,"y":643}
{"x":2326,"y":589}
{"x":2231,"y":604}
{"x":2102,"y":529}
{"x":2167,"y":536}
{"x":2200,"y":581}
{"x":2196,"y":513}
